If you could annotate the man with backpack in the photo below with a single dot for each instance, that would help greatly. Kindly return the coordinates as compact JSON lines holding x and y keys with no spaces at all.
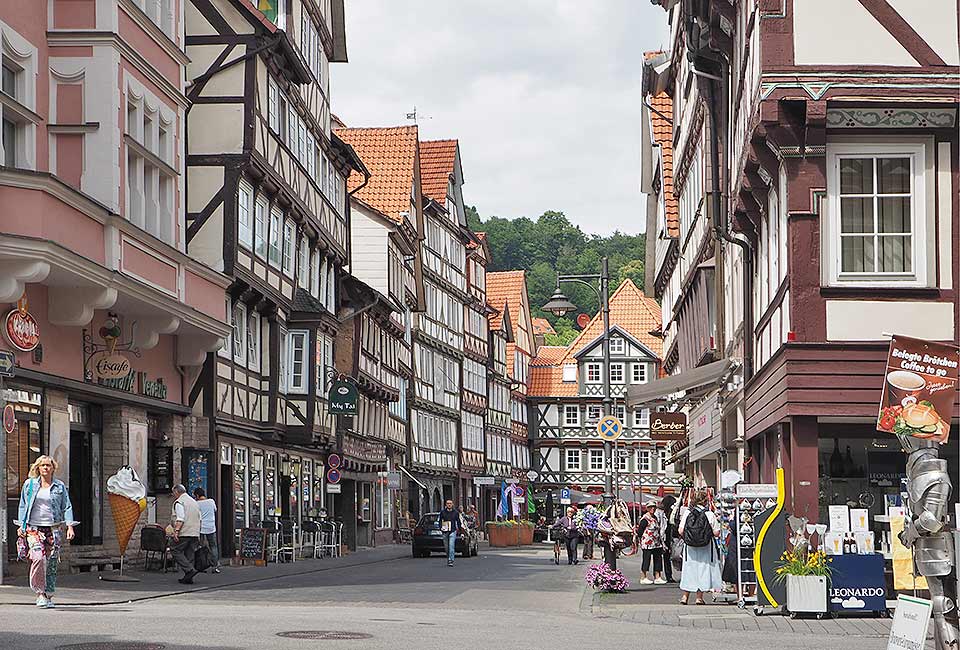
{"x":699,"y":528}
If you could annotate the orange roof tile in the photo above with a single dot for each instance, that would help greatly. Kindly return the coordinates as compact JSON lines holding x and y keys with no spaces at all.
{"x":437,"y":161}
{"x":390,"y":154}
{"x":662,"y":120}
{"x":505,"y":287}
{"x":542,"y":326}
{"x":630,"y":310}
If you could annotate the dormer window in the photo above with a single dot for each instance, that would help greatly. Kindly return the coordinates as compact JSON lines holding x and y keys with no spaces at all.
{"x":617,"y":346}
{"x":570,"y":372}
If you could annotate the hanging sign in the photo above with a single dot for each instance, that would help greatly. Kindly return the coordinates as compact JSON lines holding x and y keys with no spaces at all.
{"x":111,"y":366}
{"x":919,"y":388}
{"x":9,"y":418}
{"x":668,"y":426}
{"x":21,"y":330}
{"x":342,"y":398}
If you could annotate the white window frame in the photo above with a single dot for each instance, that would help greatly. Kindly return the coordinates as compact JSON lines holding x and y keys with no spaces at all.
{"x":282,"y":361}
{"x":275,"y":246}
{"x":617,"y":373}
{"x":641,"y":418}
{"x":594,"y":366}
{"x":287,"y":254}
{"x":298,"y":382}
{"x":253,"y":340}
{"x":617,"y":345}
{"x":569,"y":372}
{"x":239,"y":321}
{"x":571,"y":415}
{"x":227,"y":350}
{"x":638,"y":372}
{"x":245,"y":214}
{"x":594,"y":413}
{"x":303,"y":269}
{"x":644,"y":461}
{"x":596,"y":460}
{"x":662,"y":460}
{"x":920,"y":152}
{"x":260,"y":220}
{"x":573,"y":454}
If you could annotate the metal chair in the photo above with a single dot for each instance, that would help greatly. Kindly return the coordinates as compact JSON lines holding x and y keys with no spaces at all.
{"x":329,"y":544}
{"x":311,"y":531}
{"x":273,"y":538}
{"x":288,"y":541}
{"x":153,"y":544}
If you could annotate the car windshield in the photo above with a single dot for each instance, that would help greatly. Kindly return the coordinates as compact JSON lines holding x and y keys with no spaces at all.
{"x":429,"y":521}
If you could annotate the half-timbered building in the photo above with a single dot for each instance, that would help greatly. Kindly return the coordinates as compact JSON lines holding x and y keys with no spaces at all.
{"x":566,"y":395}
{"x":384,"y":212}
{"x":507,"y":292}
{"x":498,"y":436}
{"x":830,"y":175}
{"x":268,"y":206}
{"x":476,"y":348}
{"x":438,"y":331}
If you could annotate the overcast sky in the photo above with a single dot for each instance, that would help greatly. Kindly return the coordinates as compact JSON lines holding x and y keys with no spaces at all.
{"x":542,"y":94}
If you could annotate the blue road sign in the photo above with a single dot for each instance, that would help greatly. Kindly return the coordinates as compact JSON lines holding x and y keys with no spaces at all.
{"x":8,"y":363}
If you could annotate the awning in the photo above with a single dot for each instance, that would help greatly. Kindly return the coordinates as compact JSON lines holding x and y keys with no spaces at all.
{"x":691,"y":383}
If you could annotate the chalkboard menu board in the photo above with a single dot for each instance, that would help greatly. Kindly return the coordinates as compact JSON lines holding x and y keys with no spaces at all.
{"x":253,"y":544}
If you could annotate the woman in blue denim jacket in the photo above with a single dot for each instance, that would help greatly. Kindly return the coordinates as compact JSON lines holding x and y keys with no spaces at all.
{"x":44,"y":509}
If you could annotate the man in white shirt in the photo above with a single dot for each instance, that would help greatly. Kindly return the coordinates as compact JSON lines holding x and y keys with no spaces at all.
{"x":186,"y":533}
{"x":208,"y":525}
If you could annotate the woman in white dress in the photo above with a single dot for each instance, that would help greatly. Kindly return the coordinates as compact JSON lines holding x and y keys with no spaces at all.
{"x":701,"y":563}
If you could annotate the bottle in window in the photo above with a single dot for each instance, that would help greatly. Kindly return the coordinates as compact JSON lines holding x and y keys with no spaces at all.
{"x":836,"y":461}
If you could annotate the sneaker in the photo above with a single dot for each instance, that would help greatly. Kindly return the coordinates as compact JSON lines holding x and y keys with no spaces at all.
{"x":646,"y":581}
{"x":659,"y":581}
{"x":450,"y":563}
{"x":42,"y":601}
{"x":50,"y":604}
{"x":217,"y":570}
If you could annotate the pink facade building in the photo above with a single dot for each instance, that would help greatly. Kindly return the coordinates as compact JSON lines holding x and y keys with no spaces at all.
{"x":109,"y":320}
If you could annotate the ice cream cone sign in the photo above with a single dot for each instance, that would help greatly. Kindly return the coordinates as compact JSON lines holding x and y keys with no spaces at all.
{"x":110,"y":332}
{"x":127,"y":502}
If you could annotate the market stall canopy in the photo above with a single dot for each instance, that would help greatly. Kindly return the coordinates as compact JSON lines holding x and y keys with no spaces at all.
{"x":690,"y":383}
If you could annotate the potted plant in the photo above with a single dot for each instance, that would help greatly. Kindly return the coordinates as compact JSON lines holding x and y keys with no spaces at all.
{"x":807,"y":574}
{"x":525,"y":532}
{"x":602,"y":578}
{"x":502,"y":533}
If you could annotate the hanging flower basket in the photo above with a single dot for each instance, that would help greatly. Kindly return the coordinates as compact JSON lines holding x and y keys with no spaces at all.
{"x":602,"y":578}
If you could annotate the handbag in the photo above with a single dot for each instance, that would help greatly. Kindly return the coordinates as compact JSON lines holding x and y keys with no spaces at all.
{"x":202,"y":559}
{"x":23,"y":548}
{"x":676,"y":553}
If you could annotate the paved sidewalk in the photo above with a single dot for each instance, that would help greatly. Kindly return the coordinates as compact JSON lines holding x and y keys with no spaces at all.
{"x":89,"y":589}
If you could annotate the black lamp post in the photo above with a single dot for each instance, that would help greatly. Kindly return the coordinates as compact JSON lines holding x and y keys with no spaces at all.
{"x":560,"y":305}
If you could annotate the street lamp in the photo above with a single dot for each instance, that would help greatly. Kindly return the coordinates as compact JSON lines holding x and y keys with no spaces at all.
{"x":560,"y":305}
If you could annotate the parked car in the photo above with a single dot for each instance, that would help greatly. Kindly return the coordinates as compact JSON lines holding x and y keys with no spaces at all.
{"x":427,"y":538}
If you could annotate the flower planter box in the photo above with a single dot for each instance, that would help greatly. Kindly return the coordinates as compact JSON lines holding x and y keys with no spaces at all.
{"x":500,"y":535}
{"x":807,"y":594}
{"x":526,"y":535}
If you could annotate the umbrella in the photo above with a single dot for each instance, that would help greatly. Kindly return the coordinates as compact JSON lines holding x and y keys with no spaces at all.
{"x":549,"y":506}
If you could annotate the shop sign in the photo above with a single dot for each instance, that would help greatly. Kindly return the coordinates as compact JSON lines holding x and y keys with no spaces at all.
{"x":156,"y":389}
{"x":668,"y":426}
{"x":483,"y":480}
{"x":342,"y":398}
{"x":393,"y":480}
{"x":112,"y":366}
{"x":701,"y":422}
{"x":909,"y":629}
{"x":21,"y":330}
{"x":919,"y":389}
{"x":9,"y":418}
{"x":857,"y":584}
{"x":757,"y":490}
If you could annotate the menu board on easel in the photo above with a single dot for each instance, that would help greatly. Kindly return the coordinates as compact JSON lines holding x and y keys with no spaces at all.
{"x":253,"y":545}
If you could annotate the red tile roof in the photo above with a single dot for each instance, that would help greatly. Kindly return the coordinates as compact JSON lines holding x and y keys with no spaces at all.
{"x":542,"y":326}
{"x":662,"y":120}
{"x":437,"y":162}
{"x":389,"y":154}
{"x":630,"y":310}
{"x":505,"y":288}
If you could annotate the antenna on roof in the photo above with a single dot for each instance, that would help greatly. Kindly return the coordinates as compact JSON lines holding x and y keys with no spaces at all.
{"x":417,"y":117}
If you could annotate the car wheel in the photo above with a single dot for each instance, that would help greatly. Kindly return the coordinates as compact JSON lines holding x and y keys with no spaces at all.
{"x":476,"y":549}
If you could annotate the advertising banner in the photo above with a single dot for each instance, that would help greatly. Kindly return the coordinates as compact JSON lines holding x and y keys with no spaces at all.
{"x":919,"y":389}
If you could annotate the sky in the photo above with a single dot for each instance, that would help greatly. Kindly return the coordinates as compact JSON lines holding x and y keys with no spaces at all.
{"x":543,"y":95}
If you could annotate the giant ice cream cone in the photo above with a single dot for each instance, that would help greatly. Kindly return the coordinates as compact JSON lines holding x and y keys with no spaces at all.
{"x":127,"y":501}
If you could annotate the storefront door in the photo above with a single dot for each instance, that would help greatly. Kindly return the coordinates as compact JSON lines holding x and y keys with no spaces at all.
{"x":85,"y":464}
{"x":23,"y":447}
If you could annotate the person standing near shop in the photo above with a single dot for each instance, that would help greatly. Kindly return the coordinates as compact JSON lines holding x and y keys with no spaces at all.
{"x":699,"y":528}
{"x":650,"y":530}
{"x":667,"y":504}
{"x":568,"y":524}
{"x":44,"y":510}
{"x":450,"y":523}
{"x":186,"y":533}
{"x":208,"y":525}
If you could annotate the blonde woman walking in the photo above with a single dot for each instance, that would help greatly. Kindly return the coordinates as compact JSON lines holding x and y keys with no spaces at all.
{"x":44,"y":510}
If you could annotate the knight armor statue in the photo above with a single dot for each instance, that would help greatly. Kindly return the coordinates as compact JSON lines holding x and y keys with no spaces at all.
{"x":927,"y":532}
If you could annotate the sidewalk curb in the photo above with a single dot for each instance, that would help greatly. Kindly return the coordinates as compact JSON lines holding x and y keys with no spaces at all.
{"x":205,"y":589}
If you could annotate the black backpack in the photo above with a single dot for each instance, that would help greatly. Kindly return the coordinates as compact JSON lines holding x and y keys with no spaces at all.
{"x":697,"y":531}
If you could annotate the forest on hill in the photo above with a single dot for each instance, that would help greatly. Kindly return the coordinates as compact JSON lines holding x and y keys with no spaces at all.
{"x":550,"y":244}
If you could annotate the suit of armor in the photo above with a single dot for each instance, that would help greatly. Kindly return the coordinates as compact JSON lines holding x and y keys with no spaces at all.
{"x":927,"y":533}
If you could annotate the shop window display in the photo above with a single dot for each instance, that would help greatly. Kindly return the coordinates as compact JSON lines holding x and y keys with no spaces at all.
{"x":305,"y":484}
{"x":239,"y":488}
{"x":270,"y":485}
{"x":318,"y":489}
{"x":256,"y":488}
{"x":23,"y":447}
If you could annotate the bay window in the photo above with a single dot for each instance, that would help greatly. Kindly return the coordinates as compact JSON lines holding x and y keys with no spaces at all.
{"x":253,"y":341}
{"x":289,"y":233}
{"x":260,"y":227}
{"x":276,"y":224}
{"x":298,"y":362}
{"x":877,"y":207}
{"x":244,"y":214}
